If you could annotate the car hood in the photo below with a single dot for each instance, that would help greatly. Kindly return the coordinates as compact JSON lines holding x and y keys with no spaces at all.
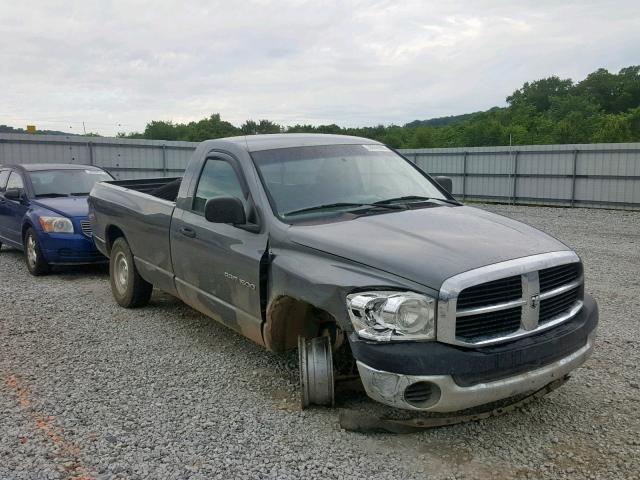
{"x":67,"y":206}
{"x":427,"y":245}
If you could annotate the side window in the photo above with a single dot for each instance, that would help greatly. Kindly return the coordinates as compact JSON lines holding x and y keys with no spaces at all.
{"x":4,"y":176}
{"x":218,"y":179}
{"x":15,"y":181}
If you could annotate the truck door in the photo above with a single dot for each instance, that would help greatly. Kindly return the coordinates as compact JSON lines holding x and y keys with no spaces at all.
{"x":217,"y":266}
{"x":13,"y":210}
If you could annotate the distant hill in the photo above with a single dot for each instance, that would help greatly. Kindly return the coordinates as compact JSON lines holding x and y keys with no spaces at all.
{"x":449,"y":120}
{"x":8,"y":129}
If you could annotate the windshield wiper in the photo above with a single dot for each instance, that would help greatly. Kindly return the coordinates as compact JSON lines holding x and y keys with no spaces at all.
{"x":79,"y":194}
{"x":413,"y":199}
{"x":42,"y":195}
{"x":342,"y":204}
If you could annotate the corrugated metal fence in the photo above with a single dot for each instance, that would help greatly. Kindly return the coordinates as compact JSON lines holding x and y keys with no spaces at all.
{"x":596,"y":175}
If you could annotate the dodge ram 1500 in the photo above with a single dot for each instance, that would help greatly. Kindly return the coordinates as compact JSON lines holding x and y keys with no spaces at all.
{"x":342,"y":242}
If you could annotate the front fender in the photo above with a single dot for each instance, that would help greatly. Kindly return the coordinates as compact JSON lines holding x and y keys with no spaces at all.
{"x":323,"y":281}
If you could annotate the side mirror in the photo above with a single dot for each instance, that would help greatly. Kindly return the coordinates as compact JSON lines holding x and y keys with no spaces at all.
{"x":14,"y":194}
{"x":225,"y":210}
{"x":445,"y":182}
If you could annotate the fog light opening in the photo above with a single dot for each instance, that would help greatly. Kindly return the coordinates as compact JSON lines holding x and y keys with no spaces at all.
{"x":422,"y":394}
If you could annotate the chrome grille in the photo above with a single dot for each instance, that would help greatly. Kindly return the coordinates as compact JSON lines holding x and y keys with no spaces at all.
{"x":555,"y":277}
{"x":491,"y":292}
{"x":511,"y":299}
{"x":85,"y":225}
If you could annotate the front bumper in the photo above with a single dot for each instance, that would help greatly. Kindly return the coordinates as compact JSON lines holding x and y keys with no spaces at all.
{"x":445,"y":395}
{"x":75,"y":248}
{"x":445,"y":378}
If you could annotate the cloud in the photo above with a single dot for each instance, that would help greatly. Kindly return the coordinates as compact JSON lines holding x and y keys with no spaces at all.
{"x":118,"y":64}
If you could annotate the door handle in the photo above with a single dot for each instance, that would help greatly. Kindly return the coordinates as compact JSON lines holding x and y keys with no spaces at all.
{"x":188,"y":232}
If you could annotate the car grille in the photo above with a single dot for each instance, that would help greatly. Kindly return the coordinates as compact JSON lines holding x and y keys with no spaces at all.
{"x":518,"y":304}
{"x":85,"y":225}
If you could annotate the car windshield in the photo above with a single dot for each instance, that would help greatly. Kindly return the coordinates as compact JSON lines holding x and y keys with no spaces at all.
{"x":330,"y":179}
{"x":66,"y":182}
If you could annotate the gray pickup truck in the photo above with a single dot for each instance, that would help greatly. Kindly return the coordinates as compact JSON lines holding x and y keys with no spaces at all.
{"x":339,"y":244}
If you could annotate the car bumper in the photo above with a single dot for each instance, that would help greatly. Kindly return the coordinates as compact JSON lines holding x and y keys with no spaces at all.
{"x":69,"y":249}
{"x":443,"y":378}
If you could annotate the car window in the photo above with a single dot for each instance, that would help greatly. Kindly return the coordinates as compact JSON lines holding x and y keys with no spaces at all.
{"x":15,"y":182}
{"x":218,"y":179}
{"x":4,"y":176}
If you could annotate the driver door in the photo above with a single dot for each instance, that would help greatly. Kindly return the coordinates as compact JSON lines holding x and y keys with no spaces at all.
{"x":217,"y":266}
{"x":13,"y":210}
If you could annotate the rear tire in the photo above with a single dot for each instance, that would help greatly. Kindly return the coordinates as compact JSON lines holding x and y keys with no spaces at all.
{"x":36,"y":264}
{"x":129,"y":289}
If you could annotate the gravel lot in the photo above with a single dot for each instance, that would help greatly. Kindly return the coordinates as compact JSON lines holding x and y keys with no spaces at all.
{"x":91,"y":390}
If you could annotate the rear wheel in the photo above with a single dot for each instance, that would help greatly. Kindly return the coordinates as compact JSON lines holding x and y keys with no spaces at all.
{"x":36,"y":264}
{"x":129,"y":289}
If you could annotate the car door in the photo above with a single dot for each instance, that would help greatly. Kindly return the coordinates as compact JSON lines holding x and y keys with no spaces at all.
{"x":4,"y":210}
{"x":15,"y":210}
{"x":217,"y":266}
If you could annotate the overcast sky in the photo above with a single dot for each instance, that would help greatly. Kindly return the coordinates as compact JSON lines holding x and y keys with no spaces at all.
{"x":117,"y":65}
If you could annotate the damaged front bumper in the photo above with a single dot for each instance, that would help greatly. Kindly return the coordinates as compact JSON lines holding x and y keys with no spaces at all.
{"x":440,"y":393}
{"x":443,"y":378}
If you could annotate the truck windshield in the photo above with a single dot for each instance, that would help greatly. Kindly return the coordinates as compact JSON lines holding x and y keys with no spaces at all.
{"x":66,"y":182}
{"x":329,"y":179}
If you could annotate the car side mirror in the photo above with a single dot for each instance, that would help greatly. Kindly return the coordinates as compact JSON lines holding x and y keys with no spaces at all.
{"x":14,"y":194}
{"x":225,"y":210}
{"x":445,"y":182}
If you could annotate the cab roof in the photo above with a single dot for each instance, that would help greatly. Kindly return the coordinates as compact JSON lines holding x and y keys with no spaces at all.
{"x":255,"y":143}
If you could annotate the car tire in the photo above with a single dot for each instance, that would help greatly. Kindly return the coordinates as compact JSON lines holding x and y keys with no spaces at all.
{"x":36,"y":264}
{"x":129,"y":289}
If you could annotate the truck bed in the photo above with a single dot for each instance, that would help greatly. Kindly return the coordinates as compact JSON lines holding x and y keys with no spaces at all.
{"x":140,"y":210}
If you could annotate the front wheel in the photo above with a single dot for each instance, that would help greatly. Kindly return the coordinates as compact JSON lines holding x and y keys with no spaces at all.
{"x":36,"y":264}
{"x":129,"y":289}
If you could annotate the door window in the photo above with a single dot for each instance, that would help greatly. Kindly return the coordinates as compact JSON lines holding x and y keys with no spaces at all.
{"x":4,"y":176}
{"x":15,"y":182}
{"x":218,"y":179}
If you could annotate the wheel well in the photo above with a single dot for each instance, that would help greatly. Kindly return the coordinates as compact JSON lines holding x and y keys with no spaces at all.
{"x":25,"y":227}
{"x":288,"y":318}
{"x":112,"y":234}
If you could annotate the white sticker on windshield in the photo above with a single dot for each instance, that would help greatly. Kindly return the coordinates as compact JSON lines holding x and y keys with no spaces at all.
{"x":376,"y":148}
{"x":93,"y":172}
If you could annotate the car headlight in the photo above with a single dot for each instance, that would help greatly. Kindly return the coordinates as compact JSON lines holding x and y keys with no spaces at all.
{"x":56,"y":225}
{"x":385,"y":316}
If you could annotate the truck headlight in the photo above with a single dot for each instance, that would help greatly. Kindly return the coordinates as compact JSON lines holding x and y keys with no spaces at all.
{"x":56,"y":225}
{"x":385,"y":316}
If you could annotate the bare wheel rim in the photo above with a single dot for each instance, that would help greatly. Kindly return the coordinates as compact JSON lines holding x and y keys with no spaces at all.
{"x":32,"y":251}
{"x":121,"y":272}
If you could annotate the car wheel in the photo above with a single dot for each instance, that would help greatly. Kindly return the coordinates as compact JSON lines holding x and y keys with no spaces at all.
{"x":36,"y":264}
{"x":129,"y":289}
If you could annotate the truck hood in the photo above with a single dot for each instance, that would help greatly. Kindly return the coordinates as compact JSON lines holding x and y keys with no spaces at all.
{"x":67,"y":206}
{"x":427,"y":245}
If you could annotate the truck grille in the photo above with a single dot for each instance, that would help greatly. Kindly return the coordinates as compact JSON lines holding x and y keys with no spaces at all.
{"x":85,"y":225}
{"x":536,"y":298}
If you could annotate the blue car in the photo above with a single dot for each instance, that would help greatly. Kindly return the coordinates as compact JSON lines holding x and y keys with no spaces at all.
{"x":44,"y":212}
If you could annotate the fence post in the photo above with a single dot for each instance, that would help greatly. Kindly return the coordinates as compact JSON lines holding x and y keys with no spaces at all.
{"x":90,"y":147}
{"x":164,"y":160}
{"x":515,"y":177}
{"x":464,"y":176}
{"x":573,"y":177}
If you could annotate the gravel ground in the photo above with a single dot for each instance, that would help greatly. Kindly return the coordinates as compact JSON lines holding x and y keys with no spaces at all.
{"x":91,"y":390}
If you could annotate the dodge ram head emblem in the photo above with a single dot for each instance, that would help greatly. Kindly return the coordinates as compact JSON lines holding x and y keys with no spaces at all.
{"x":534,"y":302}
